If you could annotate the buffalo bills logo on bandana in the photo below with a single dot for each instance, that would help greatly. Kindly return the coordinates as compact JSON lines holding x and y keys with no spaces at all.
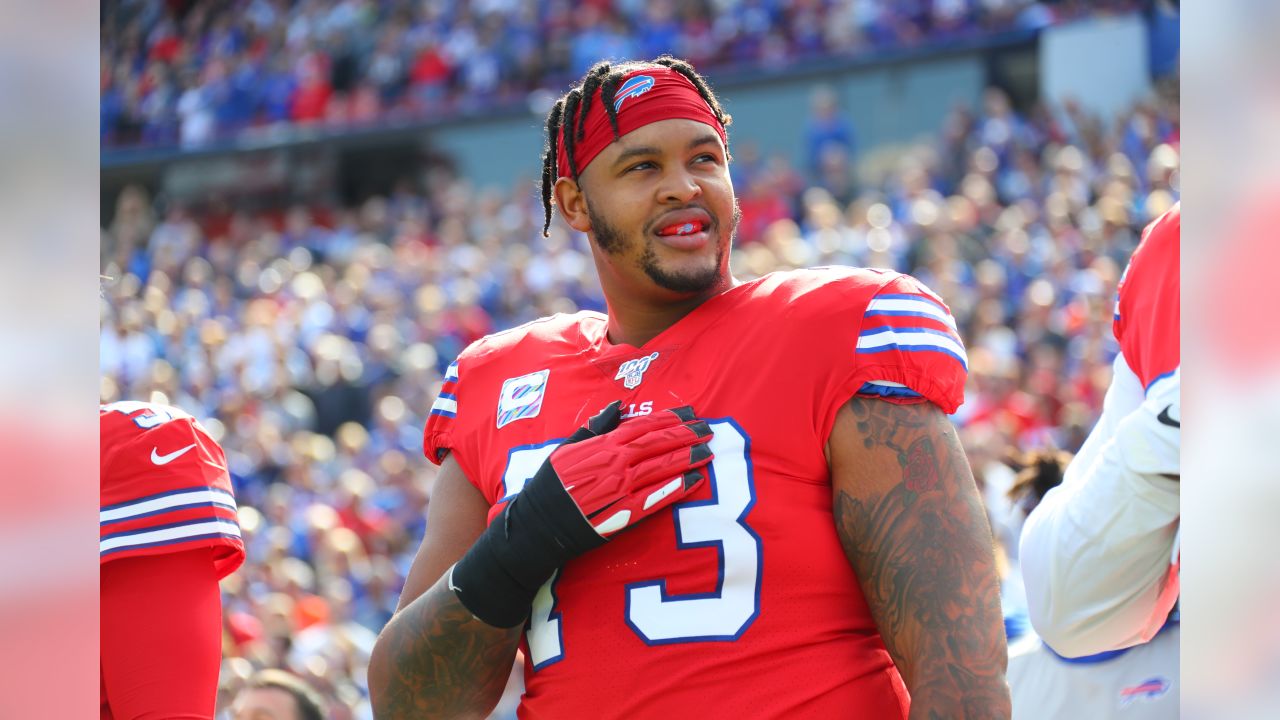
{"x":635,"y":87}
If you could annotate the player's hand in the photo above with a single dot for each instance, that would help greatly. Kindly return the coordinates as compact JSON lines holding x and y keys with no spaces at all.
{"x":618,"y":473}
{"x":605,"y":477}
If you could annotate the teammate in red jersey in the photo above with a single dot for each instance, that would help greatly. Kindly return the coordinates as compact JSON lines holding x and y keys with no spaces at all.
{"x":168,"y":534}
{"x":772,"y":516}
{"x":1100,"y":554}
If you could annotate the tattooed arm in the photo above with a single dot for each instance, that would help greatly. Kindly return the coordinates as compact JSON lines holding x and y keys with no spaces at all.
{"x":913,"y":527}
{"x":434,"y":659}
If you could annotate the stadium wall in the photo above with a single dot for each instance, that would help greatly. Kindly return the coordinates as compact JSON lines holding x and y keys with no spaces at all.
{"x":889,"y":104}
{"x":1074,"y":56}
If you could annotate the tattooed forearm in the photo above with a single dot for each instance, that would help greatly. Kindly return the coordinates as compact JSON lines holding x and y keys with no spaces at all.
{"x":435,"y":660}
{"x":913,"y":527}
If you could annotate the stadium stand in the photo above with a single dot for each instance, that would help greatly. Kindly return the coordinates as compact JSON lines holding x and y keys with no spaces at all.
{"x":189,"y":72}
{"x":314,"y":338}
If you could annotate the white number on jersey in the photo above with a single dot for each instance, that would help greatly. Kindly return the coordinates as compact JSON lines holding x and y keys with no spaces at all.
{"x":654,"y":615}
{"x":522,"y":463}
{"x":718,"y":522}
{"x":545,"y":646}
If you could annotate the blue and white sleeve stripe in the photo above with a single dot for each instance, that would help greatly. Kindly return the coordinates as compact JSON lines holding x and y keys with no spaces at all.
{"x":447,"y":404}
{"x":167,"y":535}
{"x":171,"y":501}
{"x":903,"y":305}
{"x":883,"y":339}
{"x":888,"y":389}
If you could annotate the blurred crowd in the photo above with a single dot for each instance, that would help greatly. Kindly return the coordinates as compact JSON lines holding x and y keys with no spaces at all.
{"x":192,"y":71}
{"x":314,"y":340}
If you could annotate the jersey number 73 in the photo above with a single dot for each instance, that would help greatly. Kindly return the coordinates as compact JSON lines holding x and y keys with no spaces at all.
{"x":655,"y":615}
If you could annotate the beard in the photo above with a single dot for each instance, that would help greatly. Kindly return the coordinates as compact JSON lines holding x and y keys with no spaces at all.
{"x":614,"y":242}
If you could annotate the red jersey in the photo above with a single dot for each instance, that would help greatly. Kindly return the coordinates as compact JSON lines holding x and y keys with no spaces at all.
{"x":165,"y":487}
{"x":738,"y":602}
{"x":1147,"y":317}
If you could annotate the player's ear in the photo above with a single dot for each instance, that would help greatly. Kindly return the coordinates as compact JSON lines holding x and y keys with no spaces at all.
{"x":572,"y":204}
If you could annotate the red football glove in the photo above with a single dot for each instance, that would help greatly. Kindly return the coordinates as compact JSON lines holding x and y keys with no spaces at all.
{"x":606,"y":476}
{"x":618,"y":474}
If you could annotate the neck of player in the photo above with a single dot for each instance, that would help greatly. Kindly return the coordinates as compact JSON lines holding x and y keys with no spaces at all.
{"x":636,"y":317}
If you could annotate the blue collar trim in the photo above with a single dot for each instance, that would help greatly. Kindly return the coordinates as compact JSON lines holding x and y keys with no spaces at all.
{"x":1175,"y":618}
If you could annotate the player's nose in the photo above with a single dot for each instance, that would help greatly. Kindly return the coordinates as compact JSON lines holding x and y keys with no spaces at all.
{"x":678,"y":186}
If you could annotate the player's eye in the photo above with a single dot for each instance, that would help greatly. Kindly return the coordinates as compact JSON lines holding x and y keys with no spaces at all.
{"x":645,"y":165}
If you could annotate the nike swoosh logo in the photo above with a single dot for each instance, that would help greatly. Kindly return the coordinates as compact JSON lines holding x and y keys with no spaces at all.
{"x":1165,"y":418}
{"x":166,"y":459}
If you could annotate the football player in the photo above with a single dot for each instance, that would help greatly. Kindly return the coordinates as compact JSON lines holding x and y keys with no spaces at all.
{"x":1136,"y":683}
{"x":768,"y":514}
{"x":1100,"y":556}
{"x":168,"y":533}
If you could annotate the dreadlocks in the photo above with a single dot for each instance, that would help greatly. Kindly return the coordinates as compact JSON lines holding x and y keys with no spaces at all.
{"x":571,"y":111}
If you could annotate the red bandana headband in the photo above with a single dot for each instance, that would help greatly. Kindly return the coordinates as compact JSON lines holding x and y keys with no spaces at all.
{"x":644,"y":96}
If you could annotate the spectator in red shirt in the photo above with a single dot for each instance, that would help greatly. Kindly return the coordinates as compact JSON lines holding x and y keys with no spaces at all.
{"x":310,"y":100}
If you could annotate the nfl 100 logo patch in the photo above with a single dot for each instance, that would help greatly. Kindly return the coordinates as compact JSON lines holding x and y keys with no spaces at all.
{"x":632,"y":372}
{"x":521,"y":397}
